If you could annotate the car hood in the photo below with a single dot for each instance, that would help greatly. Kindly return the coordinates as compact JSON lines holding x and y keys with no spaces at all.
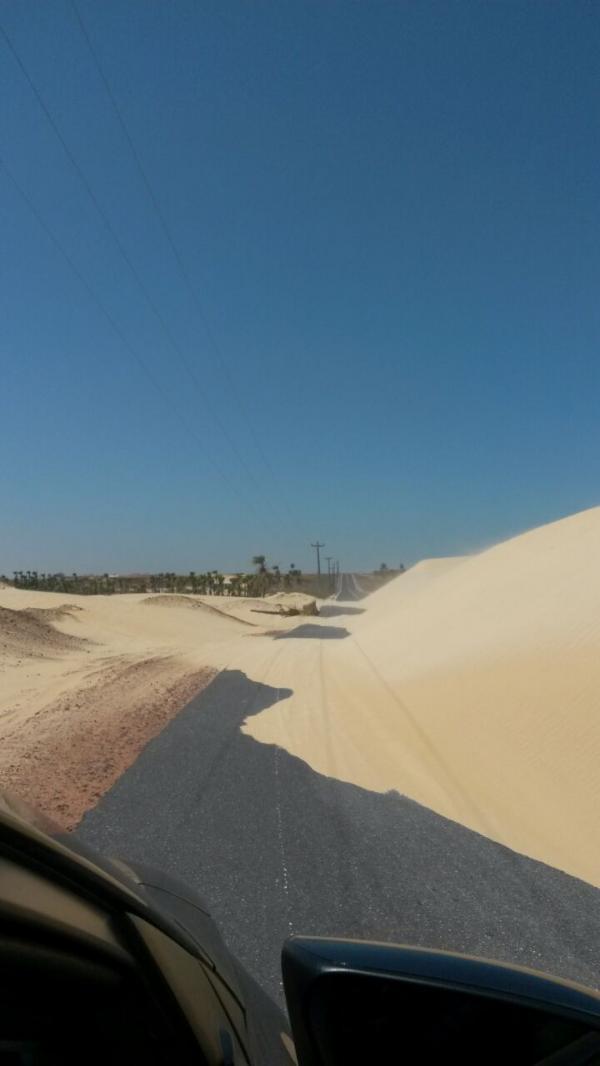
{"x":178,"y":909}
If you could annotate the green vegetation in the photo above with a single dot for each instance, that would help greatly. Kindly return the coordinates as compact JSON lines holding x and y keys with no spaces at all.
{"x":210,"y":583}
{"x":266,"y":578}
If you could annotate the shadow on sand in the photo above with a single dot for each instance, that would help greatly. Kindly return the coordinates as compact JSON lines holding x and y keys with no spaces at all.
{"x":331,"y":611}
{"x":275,"y":847}
{"x":311,"y":631}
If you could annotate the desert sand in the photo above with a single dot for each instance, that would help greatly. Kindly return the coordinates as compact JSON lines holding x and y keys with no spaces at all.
{"x":471,"y":685}
{"x":86,"y":682}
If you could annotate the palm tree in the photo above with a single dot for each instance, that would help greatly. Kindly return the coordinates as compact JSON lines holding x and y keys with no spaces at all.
{"x":260,"y":561}
{"x":237,"y":585}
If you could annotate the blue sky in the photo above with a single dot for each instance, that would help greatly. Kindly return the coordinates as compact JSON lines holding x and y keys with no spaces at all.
{"x":388,"y":215}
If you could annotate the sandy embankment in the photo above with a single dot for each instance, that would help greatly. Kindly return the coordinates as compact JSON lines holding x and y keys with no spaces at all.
{"x":472,"y":687}
{"x":86,"y":682}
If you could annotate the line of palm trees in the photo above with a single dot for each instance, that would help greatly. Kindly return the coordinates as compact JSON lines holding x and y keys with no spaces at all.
{"x":209,"y":583}
{"x":268,"y":578}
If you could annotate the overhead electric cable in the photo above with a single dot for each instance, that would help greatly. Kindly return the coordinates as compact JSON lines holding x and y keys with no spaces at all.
{"x":127,"y":259}
{"x":166,"y":229}
{"x":117,"y":329}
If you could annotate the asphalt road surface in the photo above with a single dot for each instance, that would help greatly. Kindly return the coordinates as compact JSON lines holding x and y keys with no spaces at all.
{"x":276,"y":848}
{"x":349,"y":588}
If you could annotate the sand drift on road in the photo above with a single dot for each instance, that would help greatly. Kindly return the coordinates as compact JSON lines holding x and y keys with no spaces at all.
{"x":469,"y":685}
{"x":473,"y":687}
{"x":85,"y":685}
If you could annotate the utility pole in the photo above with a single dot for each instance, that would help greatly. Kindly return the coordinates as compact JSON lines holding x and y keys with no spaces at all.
{"x":329,"y":559}
{"x":318,"y":547}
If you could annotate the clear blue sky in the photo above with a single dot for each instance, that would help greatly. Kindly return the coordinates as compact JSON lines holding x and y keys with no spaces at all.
{"x":389,"y":214}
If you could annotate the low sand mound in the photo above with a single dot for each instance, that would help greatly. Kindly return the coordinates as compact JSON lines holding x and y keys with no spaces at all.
{"x":292,"y":603}
{"x":172,"y":599}
{"x":30,"y":634}
{"x":289,"y":598}
{"x":167,"y":599}
{"x":54,"y":614}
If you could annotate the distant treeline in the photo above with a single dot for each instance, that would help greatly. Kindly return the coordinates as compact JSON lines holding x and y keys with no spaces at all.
{"x":210,"y":583}
{"x":264,"y":579}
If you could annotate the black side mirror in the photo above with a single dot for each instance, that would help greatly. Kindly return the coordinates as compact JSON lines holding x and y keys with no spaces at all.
{"x":358,"y":1002}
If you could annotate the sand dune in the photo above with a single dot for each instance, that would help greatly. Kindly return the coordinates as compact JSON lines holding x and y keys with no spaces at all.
{"x":477,"y":694}
{"x":535,"y":591}
{"x":172,"y":599}
{"x":414,"y":580}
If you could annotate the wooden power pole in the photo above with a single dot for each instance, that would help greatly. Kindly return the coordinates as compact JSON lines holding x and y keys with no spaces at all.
{"x":318,"y":548}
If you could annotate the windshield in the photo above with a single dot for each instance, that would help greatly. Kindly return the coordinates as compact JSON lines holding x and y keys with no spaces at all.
{"x":300,"y":545}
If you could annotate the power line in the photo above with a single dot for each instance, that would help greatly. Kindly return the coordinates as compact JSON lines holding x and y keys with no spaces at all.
{"x":171,"y":242}
{"x":114,"y":324}
{"x":125,"y":255}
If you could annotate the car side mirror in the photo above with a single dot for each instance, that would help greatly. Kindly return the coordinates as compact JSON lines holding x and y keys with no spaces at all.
{"x":358,"y":1002}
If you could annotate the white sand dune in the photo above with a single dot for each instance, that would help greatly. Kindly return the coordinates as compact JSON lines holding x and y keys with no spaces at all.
{"x":537,"y":590}
{"x":474,"y":689}
{"x":414,"y":580}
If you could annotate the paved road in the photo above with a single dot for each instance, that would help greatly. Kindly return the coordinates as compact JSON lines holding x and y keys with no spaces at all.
{"x":349,"y":589}
{"x":277,"y":848}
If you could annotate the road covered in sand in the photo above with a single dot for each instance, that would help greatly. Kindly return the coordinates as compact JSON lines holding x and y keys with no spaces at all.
{"x":473,"y":687}
{"x":470,"y":685}
{"x":430,"y":752}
